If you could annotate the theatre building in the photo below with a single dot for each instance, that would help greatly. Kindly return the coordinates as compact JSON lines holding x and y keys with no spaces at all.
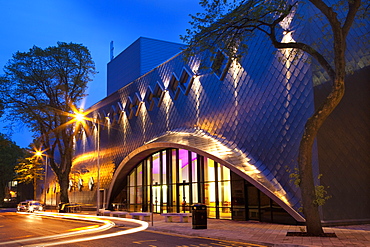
{"x":174,"y":132}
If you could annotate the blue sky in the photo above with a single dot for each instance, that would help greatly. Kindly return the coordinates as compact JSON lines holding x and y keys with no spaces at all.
{"x":93,"y":23}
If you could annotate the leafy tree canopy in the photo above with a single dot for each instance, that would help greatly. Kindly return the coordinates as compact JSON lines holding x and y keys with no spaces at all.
{"x":43,"y":83}
{"x":230,"y":24}
{"x":29,"y":170}
{"x":41,"y":88}
{"x":9,"y":154}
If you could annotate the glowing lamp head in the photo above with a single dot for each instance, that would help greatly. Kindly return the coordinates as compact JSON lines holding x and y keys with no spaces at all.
{"x":79,"y":117}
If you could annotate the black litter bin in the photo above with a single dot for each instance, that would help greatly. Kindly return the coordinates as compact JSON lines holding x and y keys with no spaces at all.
{"x":199,"y":216}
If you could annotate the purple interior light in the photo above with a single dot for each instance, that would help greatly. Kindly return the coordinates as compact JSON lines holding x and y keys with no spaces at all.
{"x":183,"y":155}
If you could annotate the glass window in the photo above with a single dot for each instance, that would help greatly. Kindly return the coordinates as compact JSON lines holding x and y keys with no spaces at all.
{"x":156,"y":198}
{"x":194,"y":172}
{"x":175,"y":195}
{"x":165,"y":190}
{"x":209,"y":170}
{"x":164,"y":168}
{"x":174,"y":165}
{"x":223,"y":173}
{"x":139,"y":172}
{"x":220,"y":64}
{"x":132,"y":195}
{"x":139,"y":196}
{"x":156,"y":169}
{"x":210,"y":193}
{"x":195,"y":193}
{"x":184,"y":197}
{"x":265,"y":210}
{"x":183,"y":165}
{"x":253,"y":203}
{"x":132,"y":178}
{"x":148,"y":173}
{"x":210,"y":198}
{"x":224,"y":196}
{"x":186,"y":81}
{"x":191,"y":178}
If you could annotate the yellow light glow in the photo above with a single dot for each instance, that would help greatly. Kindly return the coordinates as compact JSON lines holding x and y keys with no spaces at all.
{"x":79,"y":116}
{"x":282,"y":197}
{"x":83,"y":228}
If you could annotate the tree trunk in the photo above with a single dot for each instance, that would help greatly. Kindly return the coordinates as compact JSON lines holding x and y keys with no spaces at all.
{"x":313,"y":124}
{"x":64,"y":184}
{"x":313,"y":222}
{"x":307,"y":186}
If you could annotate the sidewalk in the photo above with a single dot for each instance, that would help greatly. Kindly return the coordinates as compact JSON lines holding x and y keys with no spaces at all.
{"x":265,"y":233}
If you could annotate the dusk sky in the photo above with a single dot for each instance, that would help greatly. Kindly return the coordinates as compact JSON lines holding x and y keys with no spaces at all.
{"x":92,"y":23}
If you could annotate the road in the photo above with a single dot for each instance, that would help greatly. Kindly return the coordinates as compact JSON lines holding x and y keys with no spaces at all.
{"x":41,"y":230}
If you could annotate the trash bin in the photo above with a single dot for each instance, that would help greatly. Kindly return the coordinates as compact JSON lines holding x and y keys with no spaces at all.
{"x":199,"y":216}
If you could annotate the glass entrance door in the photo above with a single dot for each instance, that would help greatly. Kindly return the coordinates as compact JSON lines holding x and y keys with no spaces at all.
{"x":156,"y":200}
{"x":184,"y":197}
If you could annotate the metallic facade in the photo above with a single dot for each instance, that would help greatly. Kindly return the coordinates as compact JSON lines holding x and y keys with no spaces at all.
{"x":249,"y":118}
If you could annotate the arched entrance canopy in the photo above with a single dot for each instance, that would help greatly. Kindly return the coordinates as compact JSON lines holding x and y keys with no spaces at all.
{"x":208,"y":147}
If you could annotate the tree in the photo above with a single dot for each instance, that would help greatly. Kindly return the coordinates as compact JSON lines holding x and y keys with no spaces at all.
{"x":41,"y":88}
{"x":9,"y":153}
{"x":29,"y":170}
{"x":230,"y":24}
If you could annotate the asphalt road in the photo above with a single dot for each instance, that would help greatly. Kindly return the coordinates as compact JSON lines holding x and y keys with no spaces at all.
{"x":33,"y":230}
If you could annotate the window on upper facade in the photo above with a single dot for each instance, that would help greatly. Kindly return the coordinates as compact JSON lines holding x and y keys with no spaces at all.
{"x":133,"y":105}
{"x":154,"y":96}
{"x":186,"y":81}
{"x":220,"y":64}
{"x":173,"y":86}
{"x":114,"y":115}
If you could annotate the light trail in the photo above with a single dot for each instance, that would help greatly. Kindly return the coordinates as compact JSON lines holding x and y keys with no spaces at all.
{"x":106,"y":225}
{"x":105,"y":220}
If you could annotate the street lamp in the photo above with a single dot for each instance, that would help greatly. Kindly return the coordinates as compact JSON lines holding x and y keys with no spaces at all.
{"x":80,"y":117}
{"x":97,"y":146}
{"x":40,"y":154}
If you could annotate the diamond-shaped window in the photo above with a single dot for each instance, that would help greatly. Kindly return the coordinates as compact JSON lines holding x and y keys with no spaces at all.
{"x":220,"y":65}
{"x":133,"y":105}
{"x":173,"y":86}
{"x":114,"y":115}
{"x":186,"y":81}
{"x":154,"y":96}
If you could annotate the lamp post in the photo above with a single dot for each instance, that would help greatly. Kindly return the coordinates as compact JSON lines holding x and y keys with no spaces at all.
{"x":80,"y":117}
{"x":46,"y":174}
{"x":97,"y":146}
{"x":40,"y":154}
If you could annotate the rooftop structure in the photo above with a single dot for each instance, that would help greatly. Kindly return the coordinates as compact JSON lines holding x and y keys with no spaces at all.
{"x":137,"y":59}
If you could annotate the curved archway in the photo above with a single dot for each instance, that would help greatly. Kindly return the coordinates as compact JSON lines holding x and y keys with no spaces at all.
{"x":210,"y":148}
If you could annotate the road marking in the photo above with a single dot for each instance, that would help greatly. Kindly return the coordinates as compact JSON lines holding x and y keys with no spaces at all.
{"x":143,"y":241}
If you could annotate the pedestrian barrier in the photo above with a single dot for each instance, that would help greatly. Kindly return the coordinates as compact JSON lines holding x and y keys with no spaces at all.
{"x":145,"y":216}
{"x":184,"y":217}
{"x":120,"y":214}
{"x":104,"y":212}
